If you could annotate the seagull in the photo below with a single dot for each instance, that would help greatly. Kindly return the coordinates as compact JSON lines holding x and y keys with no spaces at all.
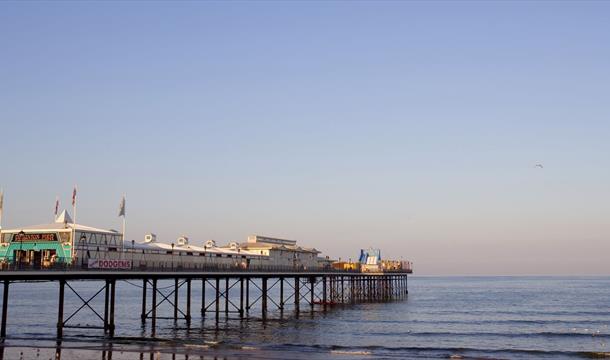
{"x":539,"y":166}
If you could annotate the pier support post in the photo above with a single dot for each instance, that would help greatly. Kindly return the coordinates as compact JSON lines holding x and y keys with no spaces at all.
{"x":332,"y":289}
{"x":324,"y":291}
{"x":217,"y":297}
{"x":241,"y":297}
{"x":106,"y":305}
{"x":188,"y":301}
{"x":312,"y":285}
{"x":247,"y":294}
{"x":297,"y":296}
{"x":264,"y":303}
{"x":143,"y":315}
{"x":4,"y":309}
{"x":227,"y":296}
{"x":112,"y":301}
{"x":282,"y":293}
{"x":154,"y":306}
{"x":175,"y":299}
{"x":388,"y":287}
{"x":342,"y":291}
{"x":203,"y":297}
{"x":399,"y":288}
{"x":60,"y":310}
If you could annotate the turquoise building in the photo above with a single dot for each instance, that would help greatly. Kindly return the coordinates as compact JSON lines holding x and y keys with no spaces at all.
{"x":59,"y":243}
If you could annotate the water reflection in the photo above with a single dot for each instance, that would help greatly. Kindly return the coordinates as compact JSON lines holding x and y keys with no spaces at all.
{"x":59,"y":353}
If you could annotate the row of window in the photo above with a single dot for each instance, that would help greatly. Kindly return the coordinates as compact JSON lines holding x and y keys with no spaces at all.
{"x":169,"y":252}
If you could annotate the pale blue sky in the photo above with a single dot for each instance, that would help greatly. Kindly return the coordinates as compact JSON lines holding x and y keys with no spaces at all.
{"x":409,"y":126}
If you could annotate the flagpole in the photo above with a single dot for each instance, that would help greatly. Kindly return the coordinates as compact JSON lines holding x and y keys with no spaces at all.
{"x":122,"y":213}
{"x":123,"y":231}
{"x":56,"y":208}
{"x":74,"y":208}
{"x":124,"y":200}
{"x":74,"y":221}
{"x":1,"y":210}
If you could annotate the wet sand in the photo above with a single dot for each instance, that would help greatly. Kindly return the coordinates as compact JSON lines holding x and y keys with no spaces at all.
{"x":202,"y":352}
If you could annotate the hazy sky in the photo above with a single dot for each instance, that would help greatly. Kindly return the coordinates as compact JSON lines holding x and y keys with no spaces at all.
{"x":409,"y":126}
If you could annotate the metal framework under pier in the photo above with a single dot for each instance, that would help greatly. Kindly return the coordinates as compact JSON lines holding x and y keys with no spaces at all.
{"x":223,"y":294}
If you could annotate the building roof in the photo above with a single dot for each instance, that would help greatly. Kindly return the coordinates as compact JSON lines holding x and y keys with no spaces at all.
{"x":270,"y":240}
{"x":267,"y":246}
{"x":190,"y":248}
{"x":62,"y":222}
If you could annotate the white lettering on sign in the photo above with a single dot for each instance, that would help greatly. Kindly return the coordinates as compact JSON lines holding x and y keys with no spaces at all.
{"x":109,"y":264}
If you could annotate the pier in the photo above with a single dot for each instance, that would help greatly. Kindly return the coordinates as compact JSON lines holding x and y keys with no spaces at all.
{"x":235,"y":293}
{"x":183,"y":280}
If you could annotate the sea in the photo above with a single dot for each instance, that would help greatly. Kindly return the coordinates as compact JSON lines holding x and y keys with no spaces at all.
{"x":441,"y":318}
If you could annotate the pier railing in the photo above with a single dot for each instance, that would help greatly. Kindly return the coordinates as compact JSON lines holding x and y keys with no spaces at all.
{"x":67,"y":265}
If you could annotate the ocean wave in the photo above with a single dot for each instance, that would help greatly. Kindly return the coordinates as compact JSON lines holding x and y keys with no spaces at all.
{"x":585,"y":334}
{"x":508,"y":321}
{"x":519,"y":312}
{"x":447,"y":352}
{"x":350,"y":352}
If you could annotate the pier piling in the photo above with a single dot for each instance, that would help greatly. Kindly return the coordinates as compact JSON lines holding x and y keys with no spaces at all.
{"x":60,"y":310}
{"x":188,"y":301}
{"x":153,"y":319}
{"x":264,"y":297}
{"x":4,"y":309}
{"x":143,"y":314}
{"x":241,"y":297}
{"x":112,"y":302}
{"x":175,"y":299}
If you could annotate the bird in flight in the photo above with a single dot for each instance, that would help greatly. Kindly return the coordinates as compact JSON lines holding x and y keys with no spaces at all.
{"x":539,"y":166}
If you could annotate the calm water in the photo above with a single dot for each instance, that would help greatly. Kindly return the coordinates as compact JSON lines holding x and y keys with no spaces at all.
{"x":443,"y":317}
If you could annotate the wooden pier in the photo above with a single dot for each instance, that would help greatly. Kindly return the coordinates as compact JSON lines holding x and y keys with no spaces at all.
{"x":274,"y":291}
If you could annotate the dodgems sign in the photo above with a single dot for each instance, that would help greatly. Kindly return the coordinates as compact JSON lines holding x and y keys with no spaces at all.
{"x":109,"y":264}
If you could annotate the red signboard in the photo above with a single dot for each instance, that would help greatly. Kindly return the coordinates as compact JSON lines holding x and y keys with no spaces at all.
{"x":109,"y":264}
{"x":23,"y":237}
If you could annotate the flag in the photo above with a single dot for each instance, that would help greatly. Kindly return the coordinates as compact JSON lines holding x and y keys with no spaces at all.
{"x":56,"y":205}
{"x":74,"y":196}
{"x":122,"y":207}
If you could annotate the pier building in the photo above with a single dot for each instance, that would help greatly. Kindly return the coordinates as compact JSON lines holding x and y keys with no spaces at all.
{"x":282,"y":252}
{"x":183,"y":255}
{"x":61,"y":242}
